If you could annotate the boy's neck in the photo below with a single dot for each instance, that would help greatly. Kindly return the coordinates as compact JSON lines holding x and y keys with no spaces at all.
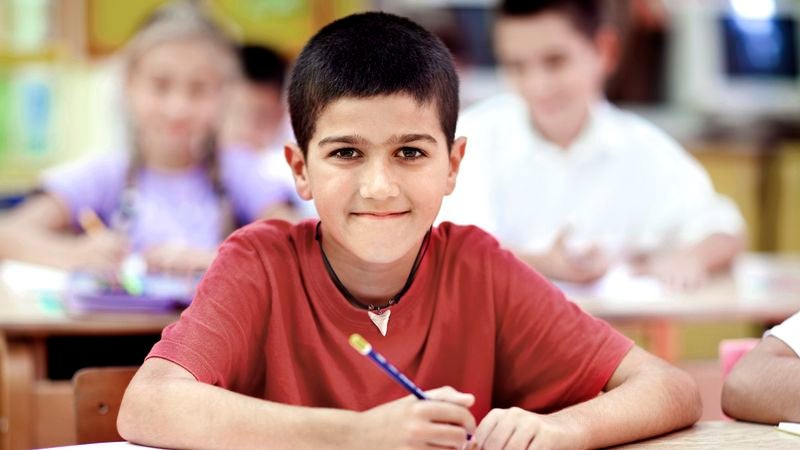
{"x":369,"y":283}
{"x":565,"y":134}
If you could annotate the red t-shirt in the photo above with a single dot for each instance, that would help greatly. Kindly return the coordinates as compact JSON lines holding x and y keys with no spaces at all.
{"x":268,"y":322}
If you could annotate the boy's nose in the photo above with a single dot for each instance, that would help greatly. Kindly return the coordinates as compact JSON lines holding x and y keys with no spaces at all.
{"x":535,"y":83}
{"x":377,"y":182}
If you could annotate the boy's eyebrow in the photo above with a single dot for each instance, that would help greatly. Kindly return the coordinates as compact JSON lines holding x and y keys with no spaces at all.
{"x":349,"y":139}
{"x":394,"y":140}
{"x":406,"y":138}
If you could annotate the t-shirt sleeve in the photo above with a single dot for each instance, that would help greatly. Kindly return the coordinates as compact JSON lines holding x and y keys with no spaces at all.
{"x":94,"y":184}
{"x":550,"y":353}
{"x":689,"y":209}
{"x":251,"y":188}
{"x":217,"y":337}
{"x":788,"y":332}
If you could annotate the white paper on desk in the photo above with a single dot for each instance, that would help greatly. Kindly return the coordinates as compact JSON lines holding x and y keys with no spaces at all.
{"x":620,"y":284}
{"x":758,"y":280}
{"x":22,"y":277}
{"x":790,"y":427}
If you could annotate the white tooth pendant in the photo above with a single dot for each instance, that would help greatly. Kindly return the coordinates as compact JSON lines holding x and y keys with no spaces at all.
{"x":380,"y":320}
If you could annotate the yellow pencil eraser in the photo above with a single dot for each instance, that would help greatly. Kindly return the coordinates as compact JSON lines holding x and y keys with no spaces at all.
{"x":360,"y":344}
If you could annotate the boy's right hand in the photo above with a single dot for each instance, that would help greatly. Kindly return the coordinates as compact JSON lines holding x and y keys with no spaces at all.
{"x":101,"y":251}
{"x":409,"y":423}
{"x":564,"y":264}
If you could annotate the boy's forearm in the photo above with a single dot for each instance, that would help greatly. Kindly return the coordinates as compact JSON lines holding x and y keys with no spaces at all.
{"x":189,"y":414}
{"x":647,"y":404}
{"x":539,"y":262}
{"x":763,"y":388}
{"x":718,"y":250}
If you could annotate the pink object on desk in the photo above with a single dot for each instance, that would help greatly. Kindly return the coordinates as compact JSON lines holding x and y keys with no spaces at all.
{"x":730,"y":350}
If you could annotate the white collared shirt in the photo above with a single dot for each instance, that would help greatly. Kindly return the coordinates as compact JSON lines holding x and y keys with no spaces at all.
{"x":623,"y":184}
{"x":788,"y":332}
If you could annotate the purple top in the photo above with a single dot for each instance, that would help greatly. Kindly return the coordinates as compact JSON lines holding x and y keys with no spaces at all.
{"x":174,"y":208}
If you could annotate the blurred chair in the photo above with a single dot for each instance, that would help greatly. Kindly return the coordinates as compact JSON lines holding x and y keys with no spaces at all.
{"x":98,"y":394}
{"x":731,"y":350}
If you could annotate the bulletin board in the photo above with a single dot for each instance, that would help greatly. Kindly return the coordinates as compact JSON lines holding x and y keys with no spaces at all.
{"x":282,"y":24}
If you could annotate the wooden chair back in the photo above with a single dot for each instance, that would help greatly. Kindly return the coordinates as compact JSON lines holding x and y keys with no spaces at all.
{"x":98,"y":395}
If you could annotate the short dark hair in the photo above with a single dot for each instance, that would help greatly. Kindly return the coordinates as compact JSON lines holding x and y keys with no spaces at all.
{"x":585,"y":15}
{"x":262,"y":65}
{"x":372,"y":54}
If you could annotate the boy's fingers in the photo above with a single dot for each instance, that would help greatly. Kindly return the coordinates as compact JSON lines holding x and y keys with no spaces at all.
{"x":446,"y":412}
{"x":448,"y":394}
{"x":500,"y":435}
{"x":486,"y":427}
{"x":561,"y":238}
{"x":592,"y":259}
{"x":448,"y":436}
{"x":470,"y":445}
{"x":521,"y":437}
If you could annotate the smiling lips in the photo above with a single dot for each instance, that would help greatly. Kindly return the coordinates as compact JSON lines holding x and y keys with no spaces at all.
{"x":380,"y":215}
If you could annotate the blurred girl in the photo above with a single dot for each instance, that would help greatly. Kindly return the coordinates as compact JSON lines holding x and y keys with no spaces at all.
{"x":172,"y":197}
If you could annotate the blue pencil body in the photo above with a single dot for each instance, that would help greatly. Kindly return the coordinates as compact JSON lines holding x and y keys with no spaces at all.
{"x":394,"y":373}
{"x":363,"y":347}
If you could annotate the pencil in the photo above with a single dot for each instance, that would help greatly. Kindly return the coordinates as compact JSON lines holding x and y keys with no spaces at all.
{"x":92,"y":224}
{"x":363,"y":347}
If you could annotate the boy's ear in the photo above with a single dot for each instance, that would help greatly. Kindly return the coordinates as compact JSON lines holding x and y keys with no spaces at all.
{"x":456,"y":156}
{"x":297,"y":163}
{"x":607,"y":43}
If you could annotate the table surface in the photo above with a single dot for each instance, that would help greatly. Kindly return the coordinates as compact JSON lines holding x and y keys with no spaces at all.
{"x":760,"y":287}
{"x":718,"y":434}
{"x":703,"y":435}
{"x":28,"y":309}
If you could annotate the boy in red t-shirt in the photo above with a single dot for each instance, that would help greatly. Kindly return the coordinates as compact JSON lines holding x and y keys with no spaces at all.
{"x":261,"y":358}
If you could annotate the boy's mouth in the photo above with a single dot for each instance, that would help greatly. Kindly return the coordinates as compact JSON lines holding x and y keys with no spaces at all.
{"x":379,"y":215}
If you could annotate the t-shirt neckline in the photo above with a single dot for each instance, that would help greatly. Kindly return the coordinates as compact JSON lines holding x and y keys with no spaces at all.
{"x":325,"y":293}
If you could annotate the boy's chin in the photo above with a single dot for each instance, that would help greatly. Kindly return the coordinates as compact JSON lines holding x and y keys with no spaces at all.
{"x":380,"y":254}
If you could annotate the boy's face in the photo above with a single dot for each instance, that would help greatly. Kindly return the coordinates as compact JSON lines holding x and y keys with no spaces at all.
{"x":255,"y":114}
{"x":377,"y":168}
{"x":558,"y":70}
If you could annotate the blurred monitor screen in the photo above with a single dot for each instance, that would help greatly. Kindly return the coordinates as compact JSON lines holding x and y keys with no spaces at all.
{"x":760,"y":48}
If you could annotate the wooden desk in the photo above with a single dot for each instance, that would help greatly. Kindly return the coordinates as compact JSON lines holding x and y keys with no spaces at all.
{"x":761,"y":287}
{"x":704,"y":435}
{"x":36,"y":411}
{"x":722,"y":435}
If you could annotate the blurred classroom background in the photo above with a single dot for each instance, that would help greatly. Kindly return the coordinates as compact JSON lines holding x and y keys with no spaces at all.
{"x":720,"y":76}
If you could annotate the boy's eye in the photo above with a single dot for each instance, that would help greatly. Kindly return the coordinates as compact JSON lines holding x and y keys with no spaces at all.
{"x":555,"y":61}
{"x":410,"y":153}
{"x":198,"y":89}
{"x":345,"y":153}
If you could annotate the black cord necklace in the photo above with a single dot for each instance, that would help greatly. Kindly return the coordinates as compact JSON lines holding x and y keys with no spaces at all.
{"x":395,"y":299}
